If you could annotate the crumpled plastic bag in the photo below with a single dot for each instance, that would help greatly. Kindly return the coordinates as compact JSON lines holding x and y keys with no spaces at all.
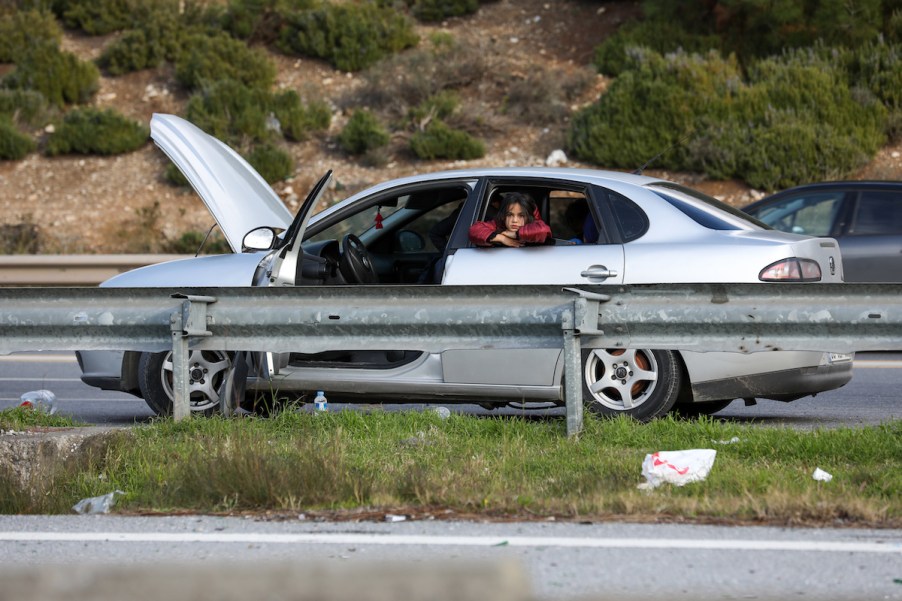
{"x":821,"y":476}
{"x":101,"y":504}
{"x":676,"y":467}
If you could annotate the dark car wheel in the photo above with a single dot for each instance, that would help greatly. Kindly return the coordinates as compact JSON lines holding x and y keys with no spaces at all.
{"x":206,"y":372}
{"x":640,"y":383}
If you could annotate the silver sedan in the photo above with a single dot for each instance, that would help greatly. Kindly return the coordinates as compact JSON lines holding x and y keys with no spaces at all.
{"x":607,"y":228}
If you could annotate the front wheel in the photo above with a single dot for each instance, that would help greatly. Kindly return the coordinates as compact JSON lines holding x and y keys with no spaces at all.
{"x":640,"y":383}
{"x":207,"y":371}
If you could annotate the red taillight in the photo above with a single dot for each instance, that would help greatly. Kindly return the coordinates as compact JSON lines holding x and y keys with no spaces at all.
{"x":791,"y":270}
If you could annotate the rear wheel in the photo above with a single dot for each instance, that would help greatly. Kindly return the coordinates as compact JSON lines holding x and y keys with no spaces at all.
{"x":207,"y":371}
{"x":640,"y":383}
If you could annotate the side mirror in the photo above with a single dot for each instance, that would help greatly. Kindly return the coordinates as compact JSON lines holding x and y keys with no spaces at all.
{"x":261,"y":238}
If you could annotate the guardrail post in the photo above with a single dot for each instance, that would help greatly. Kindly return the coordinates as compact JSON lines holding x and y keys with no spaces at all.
{"x":573,"y":394}
{"x":190,"y":320}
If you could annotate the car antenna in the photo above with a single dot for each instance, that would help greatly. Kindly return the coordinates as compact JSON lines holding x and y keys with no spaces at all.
{"x":662,"y":153}
{"x":204,"y":241}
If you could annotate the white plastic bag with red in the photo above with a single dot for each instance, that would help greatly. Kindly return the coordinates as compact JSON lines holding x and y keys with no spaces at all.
{"x":676,"y":467}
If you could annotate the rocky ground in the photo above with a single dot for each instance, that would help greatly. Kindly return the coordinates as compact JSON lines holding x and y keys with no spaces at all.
{"x":86,"y":204}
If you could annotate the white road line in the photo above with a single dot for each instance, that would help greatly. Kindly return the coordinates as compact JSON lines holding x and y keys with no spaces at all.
{"x":38,"y":358}
{"x":878,"y":363}
{"x":40,"y":380}
{"x":463,"y":541}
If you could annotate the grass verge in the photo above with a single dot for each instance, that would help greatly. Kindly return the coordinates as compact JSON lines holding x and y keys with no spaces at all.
{"x":418,"y":463}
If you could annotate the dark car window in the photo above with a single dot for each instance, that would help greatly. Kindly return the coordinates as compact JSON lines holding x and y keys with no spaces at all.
{"x":631,"y":220}
{"x":812,"y":214}
{"x":705,"y":210}
{"x":878,"y":213}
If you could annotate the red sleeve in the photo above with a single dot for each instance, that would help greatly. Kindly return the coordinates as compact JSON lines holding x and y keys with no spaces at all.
{"x":535,"y":232}
{"x":481,"y":231}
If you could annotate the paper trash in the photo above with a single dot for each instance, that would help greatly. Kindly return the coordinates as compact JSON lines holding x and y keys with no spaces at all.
{"x":677,"y":467}
{"x":821,"y":476}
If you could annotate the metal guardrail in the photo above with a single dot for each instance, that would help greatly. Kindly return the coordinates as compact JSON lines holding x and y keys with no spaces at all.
{"x":708,"y":317}
{"x":71,"y":270}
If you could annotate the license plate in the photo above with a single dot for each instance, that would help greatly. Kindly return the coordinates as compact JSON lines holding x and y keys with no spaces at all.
{"x":839,"y":357}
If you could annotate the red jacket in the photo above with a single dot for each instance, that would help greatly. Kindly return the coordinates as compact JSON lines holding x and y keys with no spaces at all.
{"x":536,"y":232}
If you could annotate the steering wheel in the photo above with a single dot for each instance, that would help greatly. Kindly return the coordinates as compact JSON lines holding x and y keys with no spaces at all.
{"x":356,"y":265}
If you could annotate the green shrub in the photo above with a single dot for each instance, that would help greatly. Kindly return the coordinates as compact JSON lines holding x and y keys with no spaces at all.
{"x":174,"y":176}
{"x":59,"y":76}
{"x":794,"y":120}
{"x":362,"y":133}
{"x":205,"y":59}
{"x":877,"y":66}
{"x":295,"y":119}
{"x":440,"y":106}
{"x":23,"y":106}
{"x":95,"y":17}
{"x":350,"y":36}
{"x":23,"y":29}
{"x":230,"y":111}
{"x":438,"y":141}
{"x":92,"y":131}
{"x":271,"y":162}
{"x":613,"y":55}
{"x":155,"y":39}
{"x":14,"y":145}
{"x":436,"y":10}
{"x":259,"y":20}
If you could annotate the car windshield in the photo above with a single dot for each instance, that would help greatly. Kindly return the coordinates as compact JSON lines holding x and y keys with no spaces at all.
{"x":705,"y":210}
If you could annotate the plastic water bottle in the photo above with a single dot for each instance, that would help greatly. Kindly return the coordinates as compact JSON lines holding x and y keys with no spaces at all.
{"x":320,"y":403}
{"x":40,"y":400}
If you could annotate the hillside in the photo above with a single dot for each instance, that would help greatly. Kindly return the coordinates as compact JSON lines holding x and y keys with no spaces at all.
{"x":123,"y":204}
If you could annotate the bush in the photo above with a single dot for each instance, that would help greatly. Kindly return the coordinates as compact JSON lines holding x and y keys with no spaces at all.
{"x":23,"y":106}
{"x":190,"y":242}
{"x":206,"y":59}
{"x":612,"y":56}
{"x":350,"y":36}
{"x":230,"y":111}
{"x":59,"y":76}
{"x":14,"y":145}
{"x":362,"y":133}
{"x":794,"y":120}
{"x":440,"y":106}
{"x":544,"y":96}
{"x":93,"y":131}
{"x":436,"y":10}
{"x":438,"y":141}
{"x":272,"y":163}
{"x":259,"y":20}
{"x":411,"y":78}
{"x":157,"y":38}
{"x":95,"y":17}
{"x":296,"y":120}
{"x":24,"y":29}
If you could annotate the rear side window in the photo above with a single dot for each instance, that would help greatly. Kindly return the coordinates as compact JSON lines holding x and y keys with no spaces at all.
{"x":878,"y":213}
{"x":630,"y":219}
{"x":705,"y":210}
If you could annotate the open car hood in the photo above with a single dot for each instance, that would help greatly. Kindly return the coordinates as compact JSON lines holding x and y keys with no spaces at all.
{"x":239,"y":199}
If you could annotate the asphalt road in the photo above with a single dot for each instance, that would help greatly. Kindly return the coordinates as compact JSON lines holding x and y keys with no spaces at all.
{"x":555,"y":560}
{"x":872,"y":397}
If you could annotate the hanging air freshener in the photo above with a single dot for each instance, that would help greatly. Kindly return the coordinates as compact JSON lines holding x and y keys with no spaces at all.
{"x":378,"y":218}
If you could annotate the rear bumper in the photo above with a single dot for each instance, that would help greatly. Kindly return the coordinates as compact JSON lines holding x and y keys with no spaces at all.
{"x":786,"y":385}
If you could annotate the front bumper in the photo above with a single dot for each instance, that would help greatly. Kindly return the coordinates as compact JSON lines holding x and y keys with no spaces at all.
{"x":786,"y":385}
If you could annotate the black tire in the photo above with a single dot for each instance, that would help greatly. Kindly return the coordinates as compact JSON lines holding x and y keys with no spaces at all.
{"x":640,"y":383}
{"x":694,"y":410}
{"x":207,"y":371}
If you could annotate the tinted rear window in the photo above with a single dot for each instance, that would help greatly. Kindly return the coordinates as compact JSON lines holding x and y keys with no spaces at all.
{"x":703,"y":209}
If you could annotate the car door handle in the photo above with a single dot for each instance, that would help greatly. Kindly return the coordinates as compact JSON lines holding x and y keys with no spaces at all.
{"x":599,"y":271}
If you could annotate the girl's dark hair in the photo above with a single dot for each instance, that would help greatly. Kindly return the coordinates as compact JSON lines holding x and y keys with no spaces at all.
{"x":516,"y":198}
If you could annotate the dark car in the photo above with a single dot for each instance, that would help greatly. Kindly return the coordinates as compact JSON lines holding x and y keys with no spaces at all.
{"x":865,"y":217}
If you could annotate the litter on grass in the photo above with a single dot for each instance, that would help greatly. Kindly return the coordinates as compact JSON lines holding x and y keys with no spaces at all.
{"x":676,"y":467}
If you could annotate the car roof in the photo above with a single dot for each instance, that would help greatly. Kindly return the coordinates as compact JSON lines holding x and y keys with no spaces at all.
{"x":827,"y":186}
